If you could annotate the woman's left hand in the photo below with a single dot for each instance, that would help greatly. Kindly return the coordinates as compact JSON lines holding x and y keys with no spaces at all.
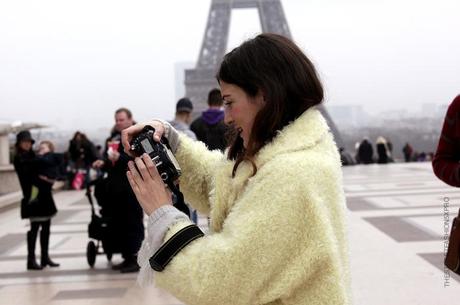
{"x":147,"y":184}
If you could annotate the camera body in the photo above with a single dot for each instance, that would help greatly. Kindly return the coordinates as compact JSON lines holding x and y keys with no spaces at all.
{"x":159,"y":152}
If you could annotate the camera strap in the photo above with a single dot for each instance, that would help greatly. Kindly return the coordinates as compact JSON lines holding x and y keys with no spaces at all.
{"x":174,"y":245}
{"x":179,"y":202}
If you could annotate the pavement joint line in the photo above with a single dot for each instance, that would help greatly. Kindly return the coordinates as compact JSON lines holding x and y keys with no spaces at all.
{"x":129,"y":281}
{"x":400,"y":194}
{"x":392,"y":189}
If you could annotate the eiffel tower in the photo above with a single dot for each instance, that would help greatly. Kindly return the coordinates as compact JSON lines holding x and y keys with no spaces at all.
{"x":200,"y":80}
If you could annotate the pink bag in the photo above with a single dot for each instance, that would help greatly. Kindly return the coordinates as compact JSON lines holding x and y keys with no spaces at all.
{"x":77,"y":182}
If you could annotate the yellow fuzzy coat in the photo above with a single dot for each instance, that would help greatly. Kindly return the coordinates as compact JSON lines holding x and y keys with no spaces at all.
{"x":278,"y":237}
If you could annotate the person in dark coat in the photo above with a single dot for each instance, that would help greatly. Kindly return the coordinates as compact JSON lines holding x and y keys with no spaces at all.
{"x":35,"y":174}
{"x":365,"y":152}
{"x":123,"y":207}
{"x":383,"y":151}
{"x":407,"y":151}
{"x":210,"y":128}
{"x":184,"y":109}
{"x":82,"y":153}
{"x":345,"y":157}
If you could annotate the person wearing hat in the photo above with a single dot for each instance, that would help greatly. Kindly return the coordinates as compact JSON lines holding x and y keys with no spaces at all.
{"x":181,"y":122}
{"x":183,"y":117}
{"x":26,"y":166}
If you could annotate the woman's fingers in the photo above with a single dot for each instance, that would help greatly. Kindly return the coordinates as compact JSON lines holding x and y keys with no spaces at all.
{"x":134,"y":173}
{"x":128,"y":134}
{"x":151,"y":167}
{"x":146,"y":184}
{"x":142,"y":168}
{"x":132,"y":182}
{"x":159,"y":129}
{"x":147,"y":168}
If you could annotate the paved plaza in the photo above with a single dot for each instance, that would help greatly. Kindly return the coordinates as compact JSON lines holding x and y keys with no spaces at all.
{"x":396,"y":217}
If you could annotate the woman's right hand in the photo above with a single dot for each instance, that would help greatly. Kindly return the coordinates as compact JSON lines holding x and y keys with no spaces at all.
{"x":129,"y":133}
{"x":98,"y":164}
{"x":46,"y":179}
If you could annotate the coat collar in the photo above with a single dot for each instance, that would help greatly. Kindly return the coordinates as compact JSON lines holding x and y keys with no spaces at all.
{"x":303,"y":133}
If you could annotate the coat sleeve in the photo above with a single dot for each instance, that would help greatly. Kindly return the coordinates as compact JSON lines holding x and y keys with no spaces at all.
{"x":24,"y":177}
{"x":262,"y":235}
{"x":198,"y":165}
{"x":445,"y":163}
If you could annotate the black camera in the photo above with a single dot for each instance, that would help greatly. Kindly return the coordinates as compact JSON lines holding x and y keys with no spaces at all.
{"x":159,"y":152}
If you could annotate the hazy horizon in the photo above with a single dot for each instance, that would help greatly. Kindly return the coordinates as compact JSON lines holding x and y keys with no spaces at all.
{"x":70,"y":64}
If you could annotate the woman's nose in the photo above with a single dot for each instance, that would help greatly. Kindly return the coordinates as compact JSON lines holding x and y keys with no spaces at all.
{"x":227,"y":118}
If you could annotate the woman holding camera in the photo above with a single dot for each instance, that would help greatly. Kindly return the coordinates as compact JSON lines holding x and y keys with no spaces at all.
{"x":275,"y":198}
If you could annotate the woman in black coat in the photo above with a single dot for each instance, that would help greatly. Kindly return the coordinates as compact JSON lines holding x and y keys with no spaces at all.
{"x":36,"y":180}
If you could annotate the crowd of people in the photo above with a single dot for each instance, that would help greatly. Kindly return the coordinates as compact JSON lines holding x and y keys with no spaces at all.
{"x":259,"y":128}
{"x":260,"y":162}
{"x":382,"y":154}
{"x":84,"y":162}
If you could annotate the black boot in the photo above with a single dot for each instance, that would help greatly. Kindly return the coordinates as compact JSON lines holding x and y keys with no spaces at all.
{"x":31,"y":262}
{"x":120,"y":266}
{"x":46,"y":261}
{"x":130,"y":266}
{"x":44,"y":242}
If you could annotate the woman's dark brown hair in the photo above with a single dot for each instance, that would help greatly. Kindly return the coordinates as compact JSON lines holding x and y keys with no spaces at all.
{"x":276,"y":67}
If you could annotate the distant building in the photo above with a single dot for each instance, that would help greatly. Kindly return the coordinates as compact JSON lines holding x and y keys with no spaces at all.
{"x":179,"y":77}
{"x":433,"y":109}
{"x":346,"y":116}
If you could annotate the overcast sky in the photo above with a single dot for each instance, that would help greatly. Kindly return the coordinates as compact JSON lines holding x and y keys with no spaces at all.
{"x":72,"y":63}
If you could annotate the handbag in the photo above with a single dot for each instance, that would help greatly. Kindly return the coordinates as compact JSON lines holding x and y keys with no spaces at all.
{"x":452,"y":259}
{"x":30,"y":208}
{"x":77,"y":182}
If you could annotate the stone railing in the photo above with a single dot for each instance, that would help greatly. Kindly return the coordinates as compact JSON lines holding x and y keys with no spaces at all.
{"x":9,"y":182}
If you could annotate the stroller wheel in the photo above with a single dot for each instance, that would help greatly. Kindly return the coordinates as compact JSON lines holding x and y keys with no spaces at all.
{"x":109,"y":256}
{"x":91,"y":252}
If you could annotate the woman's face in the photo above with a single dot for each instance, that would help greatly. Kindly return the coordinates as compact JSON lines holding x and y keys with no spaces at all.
{"x":25,"y":145}
{"x":240,"y":109}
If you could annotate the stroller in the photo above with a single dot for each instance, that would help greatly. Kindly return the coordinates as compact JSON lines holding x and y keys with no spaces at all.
{"x":100,"y":229}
